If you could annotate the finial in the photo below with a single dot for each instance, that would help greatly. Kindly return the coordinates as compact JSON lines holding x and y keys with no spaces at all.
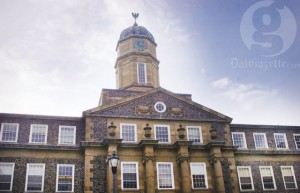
{"x":135,"y":16}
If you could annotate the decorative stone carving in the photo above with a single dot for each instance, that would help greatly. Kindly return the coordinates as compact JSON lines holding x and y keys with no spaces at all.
{"x":181,"y":159}
{"x":147,"y":130}
{"x":111,"y":130}
{"x":143,"y":109}
{"x":176,"y":111}
{"x":181,"y":132}
{"x":147,"y":158}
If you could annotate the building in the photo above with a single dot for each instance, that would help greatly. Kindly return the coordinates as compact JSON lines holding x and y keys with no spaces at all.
{"x":166,"y":142}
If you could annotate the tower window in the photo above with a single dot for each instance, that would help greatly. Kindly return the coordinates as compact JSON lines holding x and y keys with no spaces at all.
{"x":142,"y":76}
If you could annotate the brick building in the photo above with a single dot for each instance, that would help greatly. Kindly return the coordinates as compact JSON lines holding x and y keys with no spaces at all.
{"x":166,"y":142}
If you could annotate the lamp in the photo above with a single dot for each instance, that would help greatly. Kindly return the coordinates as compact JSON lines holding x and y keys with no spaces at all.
{"x":114,"y":161}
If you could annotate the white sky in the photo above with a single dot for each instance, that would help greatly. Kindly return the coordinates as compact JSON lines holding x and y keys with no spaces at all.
{"x":56,"y":56}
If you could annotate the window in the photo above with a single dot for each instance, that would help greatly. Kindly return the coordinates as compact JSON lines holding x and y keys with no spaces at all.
{"x":288,"y":176}
{"x":260,"y":140}
{"x":9,"y":132}
{"x":238,"y":139}
{"x":38,"y":133}
{"x":130,"y":177}
{"x":267,"y":177}
{"x":160,"y":107}
{"x":245,"y":178}
{"x":162,"y":133}
{"x":142,"y":76}
{"x":65,"y":178}
{"x":128,"y":132}
{"x":280,"y":140}
{"x":194,"y":134}
{"x":165,"y":177}
{"x":198,"y":174}
{"x":6,"y":176}
{"x":35,"y":177}
{"x":297,"y":140}
{"x":67,"y":134}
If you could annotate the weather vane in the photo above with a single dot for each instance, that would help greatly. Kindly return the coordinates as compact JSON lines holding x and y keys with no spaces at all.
{"x":135,"y":16}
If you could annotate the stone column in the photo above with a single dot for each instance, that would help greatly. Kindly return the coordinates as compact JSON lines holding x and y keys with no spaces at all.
{"x":183,"y":159}
{"x":149,"y":161}
{"x":150,"y":176}
{"x":112,"y":144}
{"x":215,"y":160}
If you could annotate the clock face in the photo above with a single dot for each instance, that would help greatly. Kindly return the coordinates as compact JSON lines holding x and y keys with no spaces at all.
{"x":140,"y":44}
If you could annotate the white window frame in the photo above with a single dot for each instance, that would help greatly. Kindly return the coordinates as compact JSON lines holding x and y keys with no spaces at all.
{"x":169,"y":134}
{"x":57,"y":175}
{"x":136,"y":172}
{"x":158,"y":175}
{"x":46,"y":132}
{"x":239,"y":176}
{"x":17,"y":132}
{"x":145,"y":72}
{"x":244,"y":139}
{"x":265,"y":140}
{"x":28,"y":173}
{"x":293,"y":174}
{"x":271,"y":169}
{"x":157,"y":104}
{"x":135,"y":131}
{"x":12,"y":174}
{"x":285,"y":140}
{"x":200,"y":133}
{"x":59,"y":135}
{"x":192,"y":164}
{"x":295,"y":140}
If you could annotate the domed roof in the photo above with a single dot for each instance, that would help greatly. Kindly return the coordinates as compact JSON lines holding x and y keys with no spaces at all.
{"x":136,"y":30}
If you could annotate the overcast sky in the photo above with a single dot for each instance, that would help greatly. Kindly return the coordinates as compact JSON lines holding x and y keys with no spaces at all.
{"x":238,"y":57}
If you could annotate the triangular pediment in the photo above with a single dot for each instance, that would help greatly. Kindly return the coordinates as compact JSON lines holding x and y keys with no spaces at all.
{"x":141,"y":105}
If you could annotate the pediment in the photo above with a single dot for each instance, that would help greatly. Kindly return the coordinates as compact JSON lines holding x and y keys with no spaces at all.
{"x":141,"y":105}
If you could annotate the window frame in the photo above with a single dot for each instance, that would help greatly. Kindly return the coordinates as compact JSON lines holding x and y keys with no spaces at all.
{"x":12,"y":174}
{"x":43,"y":177}
{"x":239,"y":176}
{"x":57,"y":175}
{"x":46,"y":133}
{"x":205,"y":174}
{"x":295,"y":140}
{"x":265,"y":141}
{"x":169,"y":134}
{"x":138,"y":72}
{"x":244,"y":139}
{"x":273,"y":178}
{"x":59,"y":135}
{"x":135,"y":132}
{"x":200,"y":133}
{"x":136,"y":172}
{"x":158,"y":175}
{"x":285,"y":141}
{"x":294,"y":177}
{"x":1,"y":132}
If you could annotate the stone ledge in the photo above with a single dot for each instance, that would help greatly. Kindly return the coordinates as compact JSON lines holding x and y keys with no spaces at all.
{"x":38,"y":147}
{"x":268,"y":152}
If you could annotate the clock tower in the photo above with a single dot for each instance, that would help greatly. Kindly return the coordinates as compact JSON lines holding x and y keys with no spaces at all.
{"x":136,"y":65}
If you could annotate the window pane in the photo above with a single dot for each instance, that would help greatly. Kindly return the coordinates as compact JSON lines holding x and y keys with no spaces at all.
{"x":194,"y":134}
{"x":245,"y":178}
{"x":280,"y":141}
{"x":128,"y":132}
{"x":38,"y":133}
{"x":9,"y":132}
{"x":6,"y":172}
{"x":260,"y":141}
{"x":162,"y":134}
{"x":35,"y":175}
{"x":67,"y":135}
{"x":238,"y":140}
{"x":288,"y":177}
{"x":297,"y":140}
{"x":141,"y":73}
{"x":165,"y":176}
{"x":65,"y":178}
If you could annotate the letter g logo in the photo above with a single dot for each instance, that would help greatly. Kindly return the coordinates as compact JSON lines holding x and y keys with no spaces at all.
{"x":268,"y":28}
